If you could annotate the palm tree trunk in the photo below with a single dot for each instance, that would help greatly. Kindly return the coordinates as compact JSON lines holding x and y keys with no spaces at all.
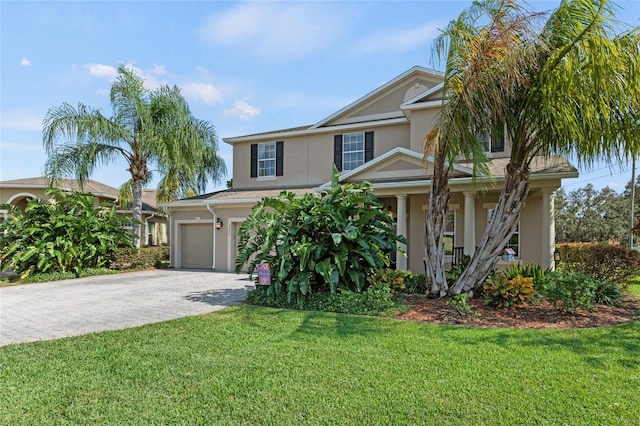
{"x":434,"y":227}
{"x":136,"y":211}
{"x":498,"y":232}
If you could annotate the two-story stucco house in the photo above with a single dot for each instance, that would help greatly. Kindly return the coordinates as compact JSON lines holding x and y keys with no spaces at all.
{"x":378,"y":138}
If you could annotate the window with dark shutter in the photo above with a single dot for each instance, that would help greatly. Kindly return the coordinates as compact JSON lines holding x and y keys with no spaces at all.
{"x":352,"y":150}
{"x":337,"y":151}
{"x":368,"y":146}
{"x":254,"y":160}
{"x":279,"y":158}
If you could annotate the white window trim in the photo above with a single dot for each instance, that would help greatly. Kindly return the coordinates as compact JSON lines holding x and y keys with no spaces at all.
{"x":274,"y":159}
{"x":489,"y":210}
{"x":344,"y":151}
{"x":453,"y":234}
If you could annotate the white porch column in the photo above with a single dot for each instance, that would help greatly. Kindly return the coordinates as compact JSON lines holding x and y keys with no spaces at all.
{"x":401,"y":229}
{"x":469,"y":222}
{"x":548,"y":228}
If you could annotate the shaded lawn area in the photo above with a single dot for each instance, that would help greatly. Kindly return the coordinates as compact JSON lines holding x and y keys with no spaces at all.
{"x":252,"y":366}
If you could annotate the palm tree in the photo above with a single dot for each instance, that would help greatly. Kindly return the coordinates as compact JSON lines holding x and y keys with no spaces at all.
{"x":475,"y":62}
{"x":147,"y":128}
{"x":570,"y":88}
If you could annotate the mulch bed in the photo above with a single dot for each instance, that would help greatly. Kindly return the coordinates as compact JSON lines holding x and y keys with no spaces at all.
{"x":542,"y":315}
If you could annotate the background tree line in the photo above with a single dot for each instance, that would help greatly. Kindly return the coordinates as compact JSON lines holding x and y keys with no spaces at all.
{"x":591,"y":215}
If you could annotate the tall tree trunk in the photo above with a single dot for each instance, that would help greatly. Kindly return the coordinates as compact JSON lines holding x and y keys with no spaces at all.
{"x":498,"y":231}
{"x":434,"y":227}
{"x":136,"y":211}
{"x":138,"y":169}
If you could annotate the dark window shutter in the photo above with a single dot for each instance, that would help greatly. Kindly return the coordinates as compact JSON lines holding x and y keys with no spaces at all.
{"x":337,"y":151}
{"x":254,"y":160}
{"x":368,"y":146}
{"x":279,"y":158}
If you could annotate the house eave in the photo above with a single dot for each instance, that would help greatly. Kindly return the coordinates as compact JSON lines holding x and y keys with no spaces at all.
{"x":312,"y":131}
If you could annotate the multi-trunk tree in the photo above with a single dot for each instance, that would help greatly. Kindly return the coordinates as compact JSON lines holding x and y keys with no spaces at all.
{"x":568,"y":85}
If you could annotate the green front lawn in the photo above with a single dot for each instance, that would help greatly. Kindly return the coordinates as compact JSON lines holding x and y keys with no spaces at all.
{"x":249,"y":365}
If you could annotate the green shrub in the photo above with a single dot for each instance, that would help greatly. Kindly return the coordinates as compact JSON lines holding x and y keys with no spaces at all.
{"x":457,"y":269}
{"x":333,"y":240}
{"x":530,"y":270}
{"x":390,"y":278}
{"x":569,"y":290}
{"x":57,"y":276}
{"x":373,"y":301}
{"x":415,"y":283}
{"x":147,"y":257}
{"x":608,"y":293}
{"x":460,"y":302}
{"x":69,"y":233}
{"x":602,"y":262}
{"x":501,"y":291}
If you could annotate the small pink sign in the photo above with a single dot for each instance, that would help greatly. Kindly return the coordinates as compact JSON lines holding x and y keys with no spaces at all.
{"x":264,"y":273}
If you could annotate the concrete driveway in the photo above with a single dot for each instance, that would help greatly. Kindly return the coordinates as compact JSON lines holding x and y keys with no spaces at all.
{"x":59,"y":309}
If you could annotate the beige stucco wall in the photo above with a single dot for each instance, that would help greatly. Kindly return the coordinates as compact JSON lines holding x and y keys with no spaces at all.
{"x":225,"y":240}
{"x":386,"y":102}
{"x":308,"y":160}
{"x":422,"y":121}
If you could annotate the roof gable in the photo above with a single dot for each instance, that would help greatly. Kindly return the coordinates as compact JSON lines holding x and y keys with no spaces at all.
{"x":385,"y":101}
{"x":397,"y":164}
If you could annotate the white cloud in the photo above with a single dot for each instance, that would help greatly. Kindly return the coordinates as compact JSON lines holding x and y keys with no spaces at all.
{"x":103,"y":71}
{"x":276,"y":30}
{"x":242,"y":110}
{"x":25,"y":62}
{"x":207,"y":93}
{"x":398,"y":41}
{"x":152,"y":78}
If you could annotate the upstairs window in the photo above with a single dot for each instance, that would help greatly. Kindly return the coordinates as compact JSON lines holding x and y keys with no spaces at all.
{"x":267,"y":159}
{"x":493,"y":142}
{"x":352,"y":150}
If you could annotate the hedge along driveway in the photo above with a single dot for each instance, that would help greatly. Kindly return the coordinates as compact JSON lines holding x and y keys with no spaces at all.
{"x":59,"y":309}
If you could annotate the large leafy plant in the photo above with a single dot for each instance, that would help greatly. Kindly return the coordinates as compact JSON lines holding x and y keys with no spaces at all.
{"x":325,"y":242}
{"x":68,"y":232}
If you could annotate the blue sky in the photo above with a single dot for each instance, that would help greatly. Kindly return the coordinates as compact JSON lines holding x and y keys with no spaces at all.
{"x":246,"y":67}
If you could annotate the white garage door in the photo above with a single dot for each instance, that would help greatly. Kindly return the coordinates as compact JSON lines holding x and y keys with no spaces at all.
{"x":196,"y":245}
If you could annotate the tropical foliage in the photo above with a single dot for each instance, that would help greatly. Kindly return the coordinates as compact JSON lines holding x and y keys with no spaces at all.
{"x":330,"y":242}
{"x":591,"y":215}
{"x":604,"y":262}
{"x":148,"y":128}
{"x":68,"y":233}
{"x":569,"y":86}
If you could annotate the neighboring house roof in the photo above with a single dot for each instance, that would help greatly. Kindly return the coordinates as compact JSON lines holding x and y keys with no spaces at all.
{"x":91,"y":186}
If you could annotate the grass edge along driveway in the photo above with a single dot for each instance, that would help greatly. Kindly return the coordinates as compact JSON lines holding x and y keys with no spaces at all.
{"x":247,"y":365}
